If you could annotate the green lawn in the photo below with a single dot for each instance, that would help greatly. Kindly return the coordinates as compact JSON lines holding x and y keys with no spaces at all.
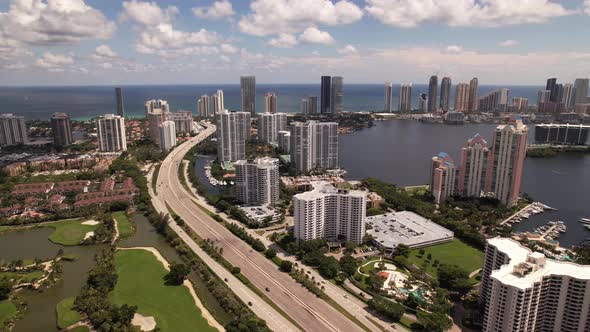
{"x":80,"y":329}
{"x":7,"y":311}
{"x":66,"y":315}
{"x":69,"y":232}
{"x":452,"y":253}
{"x":141,"y":283}
{"x":126,"y":227}
{"x":22,"y":277}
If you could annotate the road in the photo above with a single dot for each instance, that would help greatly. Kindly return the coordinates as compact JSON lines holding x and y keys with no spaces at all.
{"x":310,"y":312}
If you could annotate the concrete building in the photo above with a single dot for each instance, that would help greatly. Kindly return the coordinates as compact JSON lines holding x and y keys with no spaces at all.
{"x":270,"y":102}
{"x":581,"y":91}
{"x":462,"y":98}
{"x":495,"y":101}
{"x":445,"y":94}
{"x":423,"y":103}
{"x":405,"y":98}
{"x":13,"y":130}
{"x":552,"y":87}
{"x":520,"y":104}
{"x":569,"y":94}
{"x":111,"y":133}
{"x":566,"y":134}
{"x":217,"y":102}
{"x":388,"y":97}
{"x":167,"y":135}
{"x":304,"y":106}
{"x":506,"y":162}
{"x":330,"y":213}
{"x":233,"y":129}
{"x":314,"y":145}
{"x":61,"y":129}
{"x":284,"y":141}
{"x":432,"y":93}
{"x":248,"y":94}
{"x":325,"y":94}
{"x":442,"y":180}
{"x":156,"y":106}
{"x":473,"y":100}
{"x":337,"y":96}
{"x":120,"y":105}
{"x":204,"y":107}
{"x":543,"y":96}
{"x":156,"y":112}
{"x":269,"y":125}
{"x":257,"y":181}
{"x":524,"y":291}
{"x":472,"y":170}
{"x":183,"y":121}
{"x":309,"y":105}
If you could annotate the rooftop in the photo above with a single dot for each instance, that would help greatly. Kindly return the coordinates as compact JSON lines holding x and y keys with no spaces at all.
{"x":322,"y":188}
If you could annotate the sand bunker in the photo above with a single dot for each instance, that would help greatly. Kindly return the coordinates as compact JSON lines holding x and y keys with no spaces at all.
{"x":88,"y":235}
{"x":145,"y":323}
{"x":90,"y":222}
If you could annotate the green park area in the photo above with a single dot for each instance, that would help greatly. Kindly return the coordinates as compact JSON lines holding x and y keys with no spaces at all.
{"x":7,"y":311}
{"x":450,"y":253}
{"x":80,"y":329}
{"x":66,"y":315}
{"x":124,"y":225}
{"x":141,"y":283}
{"x":22,"y":277}
{"x":67,"y":232}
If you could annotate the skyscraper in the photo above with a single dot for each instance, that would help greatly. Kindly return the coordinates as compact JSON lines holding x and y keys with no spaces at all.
{"x":462,"y":97}
{"x":559,"y":93}
{"x":248,"y":93}
{"x":156,"y":112}
{"x":445,"y":94}
{"x":423,"y":102}
{"x":473,"y":100}
{"x":217,"y":100}
{"x":581,"y":88}
{"x":157,"y":106}
{"x":442,"y":181}
{"x":550,"y":86}
{"x":183,"y":121}
{"x":326,"y":91}
{"x":284,"y":138}
{"x":269,"y":125}
{"x":120,"y":107}
{"x":304,"y":106}
{"x":432,"y":93}
{"x":233,"y":129}
{"x":495,"y":101}
{"x":388,"y":97}
{"x":203,"y":106}
{"x":405,"y":98}
{"x":13,"y":130}
{"x":167,"y":135}
{"x":337,"y":94}
{"x":312,"y":105}
{"x":111,"y":133}
{"x":520,"y":104}
{"x":314,"y":145}
{"x":543,"y":96}
{"x":473,"y":167}
{"x":270,"y":102}
{"x":257,"y":181}
{"x":569,"y":95}
{"x":61,"y":129}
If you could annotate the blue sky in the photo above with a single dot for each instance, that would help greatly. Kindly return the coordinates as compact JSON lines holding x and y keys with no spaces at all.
{"x":57,"y":42}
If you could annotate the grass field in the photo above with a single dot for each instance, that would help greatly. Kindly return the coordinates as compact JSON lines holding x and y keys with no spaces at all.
{"x":452,"y":253}
{"x":22,"y":277}
{"x":66,"y":315}
{"x":69,"y":232}
{"x":141,"y":283}
{"x":125,"y":226}
{"x":7,"y":311}
{"x":80,"y":329}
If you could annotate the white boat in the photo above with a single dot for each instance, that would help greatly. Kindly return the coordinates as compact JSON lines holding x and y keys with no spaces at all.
{"x":585,"y":220}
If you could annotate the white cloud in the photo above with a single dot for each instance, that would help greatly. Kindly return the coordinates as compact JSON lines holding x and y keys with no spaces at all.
{"x":147,"y":13}
{"x":348,"y":50}
{"x":270,"y":17}
{"x":454,"y":49}
{"x":11,"y":49}
{"x":219,"y":9}
{"x":54,"y":21}
{"x":315,"y":36}
{"x":587,"y":7}
{"x":508,"y":43}
{"x":284,"y":40}
{"x":104,"y":51}
{"x":485,"y":13}
{"x":227,"y":48}
{"x":54,"y":62}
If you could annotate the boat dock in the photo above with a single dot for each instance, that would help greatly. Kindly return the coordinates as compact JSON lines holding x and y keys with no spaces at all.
{"x":551,"y":230}
{"x":527,"y":211}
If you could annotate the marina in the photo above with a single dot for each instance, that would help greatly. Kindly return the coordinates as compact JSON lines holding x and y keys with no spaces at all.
{"x":526,"y":212}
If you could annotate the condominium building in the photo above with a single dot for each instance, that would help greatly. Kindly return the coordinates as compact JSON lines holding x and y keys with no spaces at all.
{"x":473,"y":100}
{"x":330,"y":213}
{"x":570,"y":134}
{"x":543,"y":96}
{"x":111,"y":133}
{"x":156,"y":112}
{"x":472,"y":170}
{"x":257,"y":181}
{"x":217,"y":101}
{"x":520,"y":104}
{"x":233,"y":129}
{"x":167,"y":135}
{"x":183,"y":121}
{"x":495,"y":101}
{"x":569,"y":95}
{"x":156,"y":106}
{"x":314,"y":145}
{"x":270,"y":102}
{"x":423,"y":103}
{"x":284,"y":141}
{"x":581,"y":91}
{"x":445,"y":93}
{"x":248,"y":94}
{"x":442,"y":181}
{"x":325,"y":94}
{"x":309,"y":105}
{"x":551,"y":86}
{"x":120,"y":106}
{"x":61,"y":129}
{"x":405,"y":98}
{"x":269,"y":125}
{"x":432,"y":94}
{"x":388,"y":97}
{"x":13,"y":130}
{"x":523,"y":291}
{"x":337,"y":94}
{"x":462,"y":97}
{"x":203,"y":106}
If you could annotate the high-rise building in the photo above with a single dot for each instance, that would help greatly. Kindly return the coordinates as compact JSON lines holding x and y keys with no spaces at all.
{"x":551,"y":86}
{"x":155,"y":113}
{"x":569,"y":95}
{"x":506,"y":161}
{"x":203,"y":107}
{"x":473,"y":100}
{"x":520,"y":104}
{"x":304,"y":106}
{"x":269,"y":125}
{"x":217,"y":101}
{"x":330,"y":213}
{"x":183,"y":121}
{"x":156,"y":106}
{"x":563,"y":134}
{"x":314,"y":145}
{"x":257,"y":181}
{"x":405,"y":98}
{"x":473,"y":167}
{"x":423,"y":102}
{"x":312,"y":105}
{"x":337,"y":94}
{"x":325,"y":94}
{"x":495,"y":101}
{"x":388,"y":97}
{"x":442,"y":180}
{"x":543,"y":96}
{"x":233,"y":129}
{"x":248,"y":93}
{"x":523,"y":291}
{"x":462,"y":98}
{"x":167,"y":135}
{"x":445,"y":94}
{"x":111,"y":133}
{"x":13,"y":130}
{"x":559,"y":91}
{"x":120,"y":106}
{"x":284,"y":138}
{"x":61,"y":129}
{"x":581,"y":88}
{"x":432,"y":94}
{"x":270,"y":102}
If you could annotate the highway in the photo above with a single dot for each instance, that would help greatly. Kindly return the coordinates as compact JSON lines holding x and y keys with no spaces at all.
{"x":310,"y":312}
